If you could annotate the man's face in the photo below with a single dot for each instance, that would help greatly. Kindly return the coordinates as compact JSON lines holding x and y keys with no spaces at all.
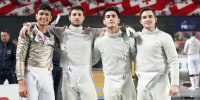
{"x":148,"y":20}
{"x":76,"y":18}
{"x":43,"y":17}
{"x":111,"y":19}
{"x":4,"y":37}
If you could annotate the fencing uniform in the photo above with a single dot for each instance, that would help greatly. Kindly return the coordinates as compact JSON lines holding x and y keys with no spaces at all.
{"x":117,"y":51}
{"x":192,"y":48}
{"x":76,"y":60}
{"x":155,"y":53}
{"x":34,"y":64}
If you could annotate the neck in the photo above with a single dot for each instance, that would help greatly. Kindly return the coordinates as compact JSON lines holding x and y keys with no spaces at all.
{"x":4,"y":43}
{"x":151,"y":28}
{"x":76,"y":25}
{"x":112,"y":30}
{"x":43,"y":29}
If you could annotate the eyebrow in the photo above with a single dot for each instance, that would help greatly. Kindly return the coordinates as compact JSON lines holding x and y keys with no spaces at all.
{"x":45,"y":12}
{"x":147,"y":16}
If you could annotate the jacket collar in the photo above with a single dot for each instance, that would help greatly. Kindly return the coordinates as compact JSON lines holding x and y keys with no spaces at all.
{"x":193,"y":37}
{"x":145,"y":31}
{"x":114,"y":35}
{"x":8,"y":43}
{"x":75,"y":28}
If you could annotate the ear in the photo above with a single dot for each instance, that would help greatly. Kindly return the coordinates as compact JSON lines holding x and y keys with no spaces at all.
{"x":156,"y":19}
{"x":69,"y":18}
{"x":36,"y":16}
{"x":50,"y":18}
{"x":140,"y":21}
{"x":104,"y":22}
{"x":118,"y":20}
{"x":83,"y":18}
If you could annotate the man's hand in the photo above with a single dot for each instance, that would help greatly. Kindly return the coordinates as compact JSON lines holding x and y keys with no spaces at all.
{"x":173,"y":90}
{"x":53,"y":23}
{"x":25,"y":29}
{"x":102,"y":33}
{"x":22,"y":89}
{"x":185,"y":54}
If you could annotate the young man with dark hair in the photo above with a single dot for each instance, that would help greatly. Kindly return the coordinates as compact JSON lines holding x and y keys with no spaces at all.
{"x":7,"y":59}
{"x":76,"y":56}
{"x":156,"y":52}
{"x":77,"y":8}
{"x":34,"y":58}
{"x":117,"y":51}
{"x":192,"y":49}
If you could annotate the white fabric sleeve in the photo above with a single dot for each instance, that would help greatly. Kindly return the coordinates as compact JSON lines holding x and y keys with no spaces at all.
{"x":172,"y":59}
{"x":58,"y":31}
{"x":97,"y":31}
{"x":95,"y":54}
{"x":22,"y":49}
{"x":186,"y":47}
{"x":133,"y":48}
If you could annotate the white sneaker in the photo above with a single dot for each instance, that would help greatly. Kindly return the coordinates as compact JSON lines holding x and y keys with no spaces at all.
{"x":197,"y":88}
{"x":192,"y":88}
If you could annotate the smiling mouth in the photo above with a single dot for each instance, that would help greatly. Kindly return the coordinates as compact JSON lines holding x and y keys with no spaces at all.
{"x":43,"y":21}
{"x":148,"y":23}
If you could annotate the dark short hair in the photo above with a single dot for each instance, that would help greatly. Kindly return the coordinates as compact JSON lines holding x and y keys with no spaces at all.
{"x":44,"y":6}
{"x":6,"y":31}
{"x":111,"y":9}
{"x":193,"y":33}
{"x":76,"y":8}
{"x":147,"y":8}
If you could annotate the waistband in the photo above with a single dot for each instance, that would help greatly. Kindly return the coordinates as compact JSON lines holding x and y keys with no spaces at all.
{"x":149,"y":78}
{"x":119,"y":76}
{"x":193,"y":54}
{"x":69,"y":68}
{"x":38,"y":68}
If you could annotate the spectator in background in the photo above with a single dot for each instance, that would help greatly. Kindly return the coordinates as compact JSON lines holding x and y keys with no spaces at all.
{"x":192,"y":49}
{"x":7,"y":59}
{"x":57,"y":72}
{"x":15,"y":41}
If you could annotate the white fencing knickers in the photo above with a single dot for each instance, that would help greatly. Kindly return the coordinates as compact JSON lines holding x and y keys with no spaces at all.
{"x":78,"y":83}
{"x":119,"y":87}
{"x":193,"y":64}
{"x":157,"y":90}
{"x":39,"y":83}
